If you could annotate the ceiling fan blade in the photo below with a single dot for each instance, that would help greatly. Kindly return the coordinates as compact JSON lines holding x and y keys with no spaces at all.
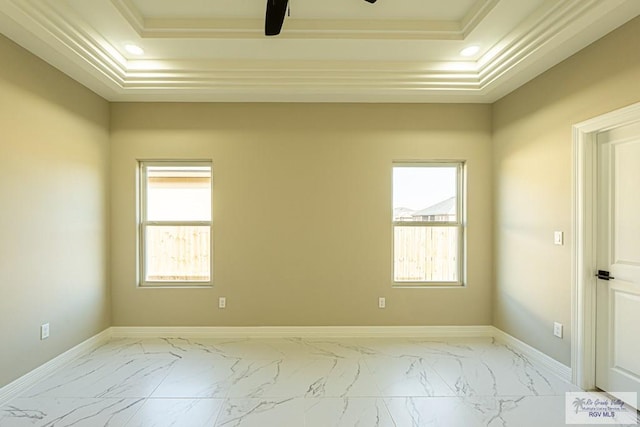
{"x":276,"y":10}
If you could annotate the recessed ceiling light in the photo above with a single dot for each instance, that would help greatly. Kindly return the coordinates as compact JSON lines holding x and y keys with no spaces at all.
{"x":470,"y":51}
{"x":134,"y":49}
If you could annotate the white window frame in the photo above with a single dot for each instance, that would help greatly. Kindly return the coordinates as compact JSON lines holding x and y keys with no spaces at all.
{"x":143,"y":223}
{"x":459,"y":223}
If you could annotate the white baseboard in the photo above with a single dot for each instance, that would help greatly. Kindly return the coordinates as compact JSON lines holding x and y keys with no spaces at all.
{"x":534,"y":355}
{"x":305,"y":331}
{"x":19,"y":386}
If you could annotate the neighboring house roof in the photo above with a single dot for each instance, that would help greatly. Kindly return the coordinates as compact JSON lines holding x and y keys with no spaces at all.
{"x":446,"y":207}
{"x":403,"y":213}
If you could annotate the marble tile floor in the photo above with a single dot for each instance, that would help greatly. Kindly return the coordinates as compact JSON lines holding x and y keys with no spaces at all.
{"x":294,"y":382}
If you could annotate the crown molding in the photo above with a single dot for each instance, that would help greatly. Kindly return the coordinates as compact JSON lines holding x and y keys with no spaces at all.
{"x":475,"y":15}
{"x":297,"y":28}
{"x":76,"y":42}
{"x":530,"y":37}
{"x":341,"y":75}
{"x":131,"y":14}
{"x":55,"y":32}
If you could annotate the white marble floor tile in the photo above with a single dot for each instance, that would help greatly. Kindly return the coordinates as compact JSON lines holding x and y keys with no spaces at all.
{"x":334,"y":348}
{"x":105,"y":377}
{"x":432,"y":412}
{"x":480,"y":411}
{"x":270,"y":349}
{"x":292,"y":348}
{"x":420,"y":347}
{"x":180,"y":347}
{"x":117,"y":347}
{"x":58,"y":412}
{"x":199,"y":377}
{"x":241,"y":348}
{"x":304,"y":382}
{"x":303,"y":378}
{"x":407,"y":376}
{"x":457,"y":348}
{"x":392,"y":347}
{"x":223,"y":348}
{"x":519,"y":411}
{"x":496,"y":371}
{"x":177,"y":412}
{"x":347,"y":412}
{"x":262,"y":413}
{"x":166,"y":348}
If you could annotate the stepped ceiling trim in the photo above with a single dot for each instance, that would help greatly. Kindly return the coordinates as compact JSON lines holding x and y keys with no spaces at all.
{"x":81,"y":49}
{"x":390,"y":29}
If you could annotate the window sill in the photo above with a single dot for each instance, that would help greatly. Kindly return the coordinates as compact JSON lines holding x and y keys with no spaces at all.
{"x":427,"y":285}
{"x":176,"y":286}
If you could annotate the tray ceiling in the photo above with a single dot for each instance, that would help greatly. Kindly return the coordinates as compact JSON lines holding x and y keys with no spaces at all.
{"x":328,"y":51}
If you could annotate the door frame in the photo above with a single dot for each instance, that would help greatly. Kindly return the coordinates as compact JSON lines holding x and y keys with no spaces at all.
{"x":583,"y":249}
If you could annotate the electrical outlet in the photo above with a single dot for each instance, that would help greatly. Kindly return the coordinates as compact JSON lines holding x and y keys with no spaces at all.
{"x":44,"y":331}
{"x":222,"y":302}
{"x":558,"y":238}
{"x":557,"y":329}
{"x":382,"y":302}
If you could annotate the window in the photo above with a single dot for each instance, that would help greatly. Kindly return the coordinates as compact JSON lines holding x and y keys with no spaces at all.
{"x":428,"y":223}
{"x":175,"y":223}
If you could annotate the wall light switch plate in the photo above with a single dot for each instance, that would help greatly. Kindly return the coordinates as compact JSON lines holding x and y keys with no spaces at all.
{"x":558,"y":238}
{"x":44,"y":331}
{"x":222,"y":302}
{"x":382,"y":302}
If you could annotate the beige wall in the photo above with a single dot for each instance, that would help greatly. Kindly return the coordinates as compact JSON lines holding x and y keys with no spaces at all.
{"x":302,"y":205}
{"x":532,"y":188}
{"x":302,"y":211}
{"x":53,"y":212}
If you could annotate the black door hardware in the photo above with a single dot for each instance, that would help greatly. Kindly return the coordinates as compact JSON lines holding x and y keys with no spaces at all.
{"x":604,"y":275}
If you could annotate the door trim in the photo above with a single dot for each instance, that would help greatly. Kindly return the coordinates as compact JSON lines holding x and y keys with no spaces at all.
{"x":583,"y":248}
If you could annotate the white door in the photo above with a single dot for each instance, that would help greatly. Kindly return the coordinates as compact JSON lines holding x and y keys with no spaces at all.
{"x":618,"y":249}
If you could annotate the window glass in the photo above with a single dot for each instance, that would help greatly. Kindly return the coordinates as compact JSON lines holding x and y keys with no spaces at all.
{"x":427,"y":193}
{"x":427,"y":235}
{"x":178,"y":193}
{"x":178,"y":253}
{"x":425,"y":254}
{"x":175,"y":228}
